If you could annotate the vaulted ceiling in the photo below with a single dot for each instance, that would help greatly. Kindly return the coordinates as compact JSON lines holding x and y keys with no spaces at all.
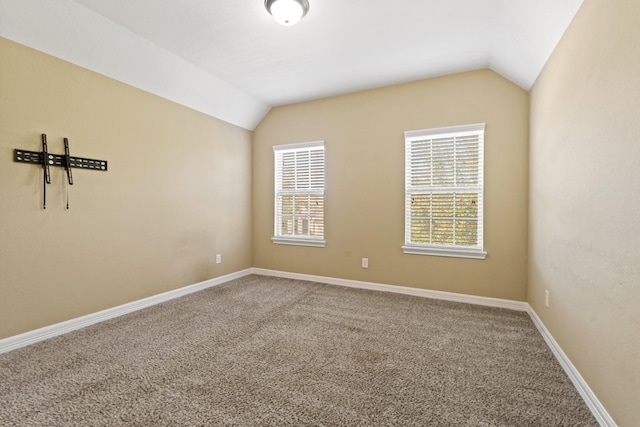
{"x":229,"y":59}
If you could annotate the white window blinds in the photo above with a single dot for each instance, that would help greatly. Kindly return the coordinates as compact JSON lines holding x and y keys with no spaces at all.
{"x":299,"y":194}
{"x":444,"y":191}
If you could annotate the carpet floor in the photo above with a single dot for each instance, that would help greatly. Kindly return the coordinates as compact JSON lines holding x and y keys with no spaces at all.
{"x":264,"y":351}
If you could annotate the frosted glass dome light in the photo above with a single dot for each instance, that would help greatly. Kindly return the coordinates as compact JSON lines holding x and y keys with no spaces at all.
{"x":287,"y":12}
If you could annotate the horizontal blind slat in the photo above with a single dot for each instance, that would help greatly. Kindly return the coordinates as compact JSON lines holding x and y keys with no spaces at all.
{"x":444,"y":187}
{"x":299,"y":192}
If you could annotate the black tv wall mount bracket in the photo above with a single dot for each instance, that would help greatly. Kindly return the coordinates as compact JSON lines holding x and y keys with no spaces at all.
{"x":65,"y":160}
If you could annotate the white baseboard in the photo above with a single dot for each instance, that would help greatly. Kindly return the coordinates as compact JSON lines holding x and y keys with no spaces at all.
{"x":598,"y":410}
{"x":32,"y":337}
{"x":594,"y":404}
{"x":41,"y":334}
{"x":448,"y":296}
{"x":37,"y":335}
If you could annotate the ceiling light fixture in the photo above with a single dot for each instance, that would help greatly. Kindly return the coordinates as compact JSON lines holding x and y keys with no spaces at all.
{"x":287,"y":12}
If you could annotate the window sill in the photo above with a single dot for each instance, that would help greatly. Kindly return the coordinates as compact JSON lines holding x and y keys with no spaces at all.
{"x":448,"y":252}
{"x":318,"y":243}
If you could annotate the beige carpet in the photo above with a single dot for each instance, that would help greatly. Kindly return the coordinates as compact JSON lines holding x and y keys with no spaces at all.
{"x":262,"y":351}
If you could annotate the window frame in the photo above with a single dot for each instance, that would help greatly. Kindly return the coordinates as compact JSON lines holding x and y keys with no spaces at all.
{"x":302,"y":240}
{"x":445,"y":250}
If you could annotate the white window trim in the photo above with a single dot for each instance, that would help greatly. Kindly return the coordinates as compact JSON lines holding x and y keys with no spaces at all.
{"x":412,"y":135}
{"x":447,"y":251}
{"x":299,"y":241}
{"x":299,"y":146}
{"x":291,"y":240}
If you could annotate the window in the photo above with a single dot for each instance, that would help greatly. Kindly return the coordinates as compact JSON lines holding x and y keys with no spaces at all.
{"x":299,"y":194}
{"x":444,"y":191}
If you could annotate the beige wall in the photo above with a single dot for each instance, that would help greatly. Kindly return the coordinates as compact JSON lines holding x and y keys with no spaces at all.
{"x":364,"y":143}
{"x":585,"y":200}
{"x":177,"y":192}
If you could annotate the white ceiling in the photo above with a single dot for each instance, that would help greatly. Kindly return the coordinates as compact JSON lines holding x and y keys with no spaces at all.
{"x":229,"y":59}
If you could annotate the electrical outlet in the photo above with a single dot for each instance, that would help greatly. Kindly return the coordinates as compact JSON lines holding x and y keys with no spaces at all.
{"x":365,"y":262}
{"x":546,"y":298}
{"x":218,"y":258}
